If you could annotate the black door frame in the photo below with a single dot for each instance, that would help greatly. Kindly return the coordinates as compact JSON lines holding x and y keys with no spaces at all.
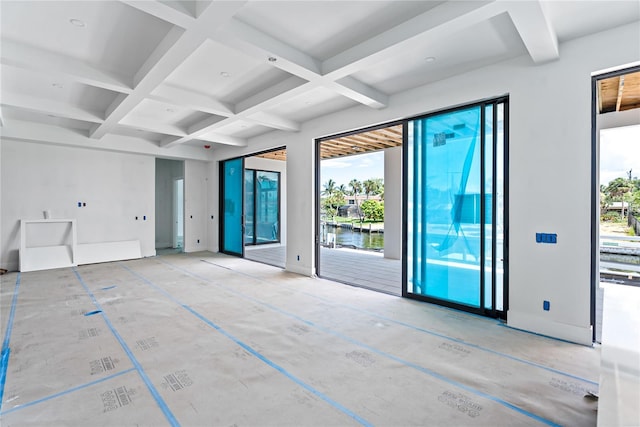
{"x":595,"y":186}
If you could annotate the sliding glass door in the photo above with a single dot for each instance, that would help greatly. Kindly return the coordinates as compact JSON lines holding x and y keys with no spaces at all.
{"x":231,"y":209}
{"x":262,"y":207}
{"x":455,"y":207}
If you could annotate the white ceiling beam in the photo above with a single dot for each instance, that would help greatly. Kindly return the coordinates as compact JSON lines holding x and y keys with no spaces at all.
{"x":273,"y":121}
{"x":274,"y":95}
{"x":26,"y":57}
{"x":47,"y":106}
{"x":153,"y":126}
{"x":441,"y":21}
{"x":358,"y":91}
{"x":204,"y":124}
{"x":177,"y":46}
{"x":262,"y":46}
{"x":208,"y":137}
{"x":224,"y":139}
{"x":50,"y":134}
{"x":163,"y":11}
{"x":186,"y":98}
{"x":537,"y":33}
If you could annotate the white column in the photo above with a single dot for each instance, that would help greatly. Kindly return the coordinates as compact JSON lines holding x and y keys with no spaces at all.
{"x":300,"y":193}
{"x":393,"y":203}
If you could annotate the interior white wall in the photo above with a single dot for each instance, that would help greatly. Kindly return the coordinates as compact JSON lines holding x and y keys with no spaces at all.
{"x":114,"y":186}
{"x":195,"y":205}
{"x":549,"y":166}
{"x":271,"y":165}
{"x":166,"y":172}
{"x":393,"y":203}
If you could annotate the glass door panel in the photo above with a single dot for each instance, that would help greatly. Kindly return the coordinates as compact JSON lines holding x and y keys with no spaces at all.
{"x":232,"y":207}
{"x":455,"y":210}
{"x":267,"y":207}
{"x":249,"y":207}
{"x":443,"y":247}
{"x":262,"y":207}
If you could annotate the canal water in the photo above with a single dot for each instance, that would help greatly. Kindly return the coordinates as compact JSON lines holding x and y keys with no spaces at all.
{"x":350,"y":238}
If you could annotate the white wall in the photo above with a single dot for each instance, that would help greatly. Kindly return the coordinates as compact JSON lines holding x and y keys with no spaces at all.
{"x":549,"y":164}
{"x":114,"y":186}
{"x":260,"y":163}
{"x":195,"y":205}
{"x":393,"y":203}
{"x":166,"y":172}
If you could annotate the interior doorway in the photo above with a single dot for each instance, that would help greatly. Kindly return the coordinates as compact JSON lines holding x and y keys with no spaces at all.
{"x":169,"y":206}
{"x":178,"y":213}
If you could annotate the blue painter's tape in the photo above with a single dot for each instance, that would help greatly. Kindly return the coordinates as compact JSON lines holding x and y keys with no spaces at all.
{"x":68,"y":391}
{"x":6,"y":350}
{"x":372,"y":349}
{"x":255,"y":353}
{"x":154,"y":392}
{"x":91,"y":313}
{"x":426,"y":331}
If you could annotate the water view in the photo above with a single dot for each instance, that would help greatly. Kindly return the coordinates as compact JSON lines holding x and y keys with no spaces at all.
{"x":349,"y":238}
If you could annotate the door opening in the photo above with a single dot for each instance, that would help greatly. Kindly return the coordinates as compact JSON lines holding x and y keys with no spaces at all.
{"x":178,"y":213}
{"x":169,"y":206}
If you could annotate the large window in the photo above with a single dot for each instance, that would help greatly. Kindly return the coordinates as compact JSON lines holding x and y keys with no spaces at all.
{"x":455,"y":222}
{"x":262,"y":207}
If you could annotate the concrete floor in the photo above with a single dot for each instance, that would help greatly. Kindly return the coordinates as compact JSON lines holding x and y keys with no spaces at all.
{"x":207,"y":339}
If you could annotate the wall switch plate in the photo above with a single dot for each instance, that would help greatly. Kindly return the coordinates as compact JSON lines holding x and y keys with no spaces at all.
{"x":546,"y":305}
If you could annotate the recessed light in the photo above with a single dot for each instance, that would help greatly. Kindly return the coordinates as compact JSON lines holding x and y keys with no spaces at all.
{"x":430,"y":58}
{"x":76,"y":22}
{"x":57,"y":85}
{"x":272,"y":59}
{"x":225,"y":74}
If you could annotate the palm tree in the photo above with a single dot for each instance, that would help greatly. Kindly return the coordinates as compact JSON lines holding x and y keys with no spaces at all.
{"x":370,"y":186}
{"x":342,"y":189}
{"x":329,"y":188}
{"x":356,"y":189}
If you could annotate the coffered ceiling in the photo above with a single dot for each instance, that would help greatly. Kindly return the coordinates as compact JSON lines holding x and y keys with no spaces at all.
{"x":216,"y":73}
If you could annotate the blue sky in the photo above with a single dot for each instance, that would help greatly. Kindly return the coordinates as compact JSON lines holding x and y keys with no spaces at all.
{"x":360,"y":167}
{"x":619,"y":152}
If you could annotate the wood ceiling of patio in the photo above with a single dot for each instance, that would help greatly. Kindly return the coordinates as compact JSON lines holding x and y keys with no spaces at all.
{"x":619,"y":93}
{"x":358,"y":143}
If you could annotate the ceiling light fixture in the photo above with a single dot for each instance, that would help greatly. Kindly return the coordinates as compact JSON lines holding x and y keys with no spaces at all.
{"x":430,"y":58}
{"x":225,"y":74}
{"x":272,"y":59}
{"x":76,"y":22}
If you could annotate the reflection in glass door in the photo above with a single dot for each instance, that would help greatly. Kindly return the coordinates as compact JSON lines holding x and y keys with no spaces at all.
{"x":231,"y":224}
{"x":455,"y":208}
{"x":262,"y":207}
